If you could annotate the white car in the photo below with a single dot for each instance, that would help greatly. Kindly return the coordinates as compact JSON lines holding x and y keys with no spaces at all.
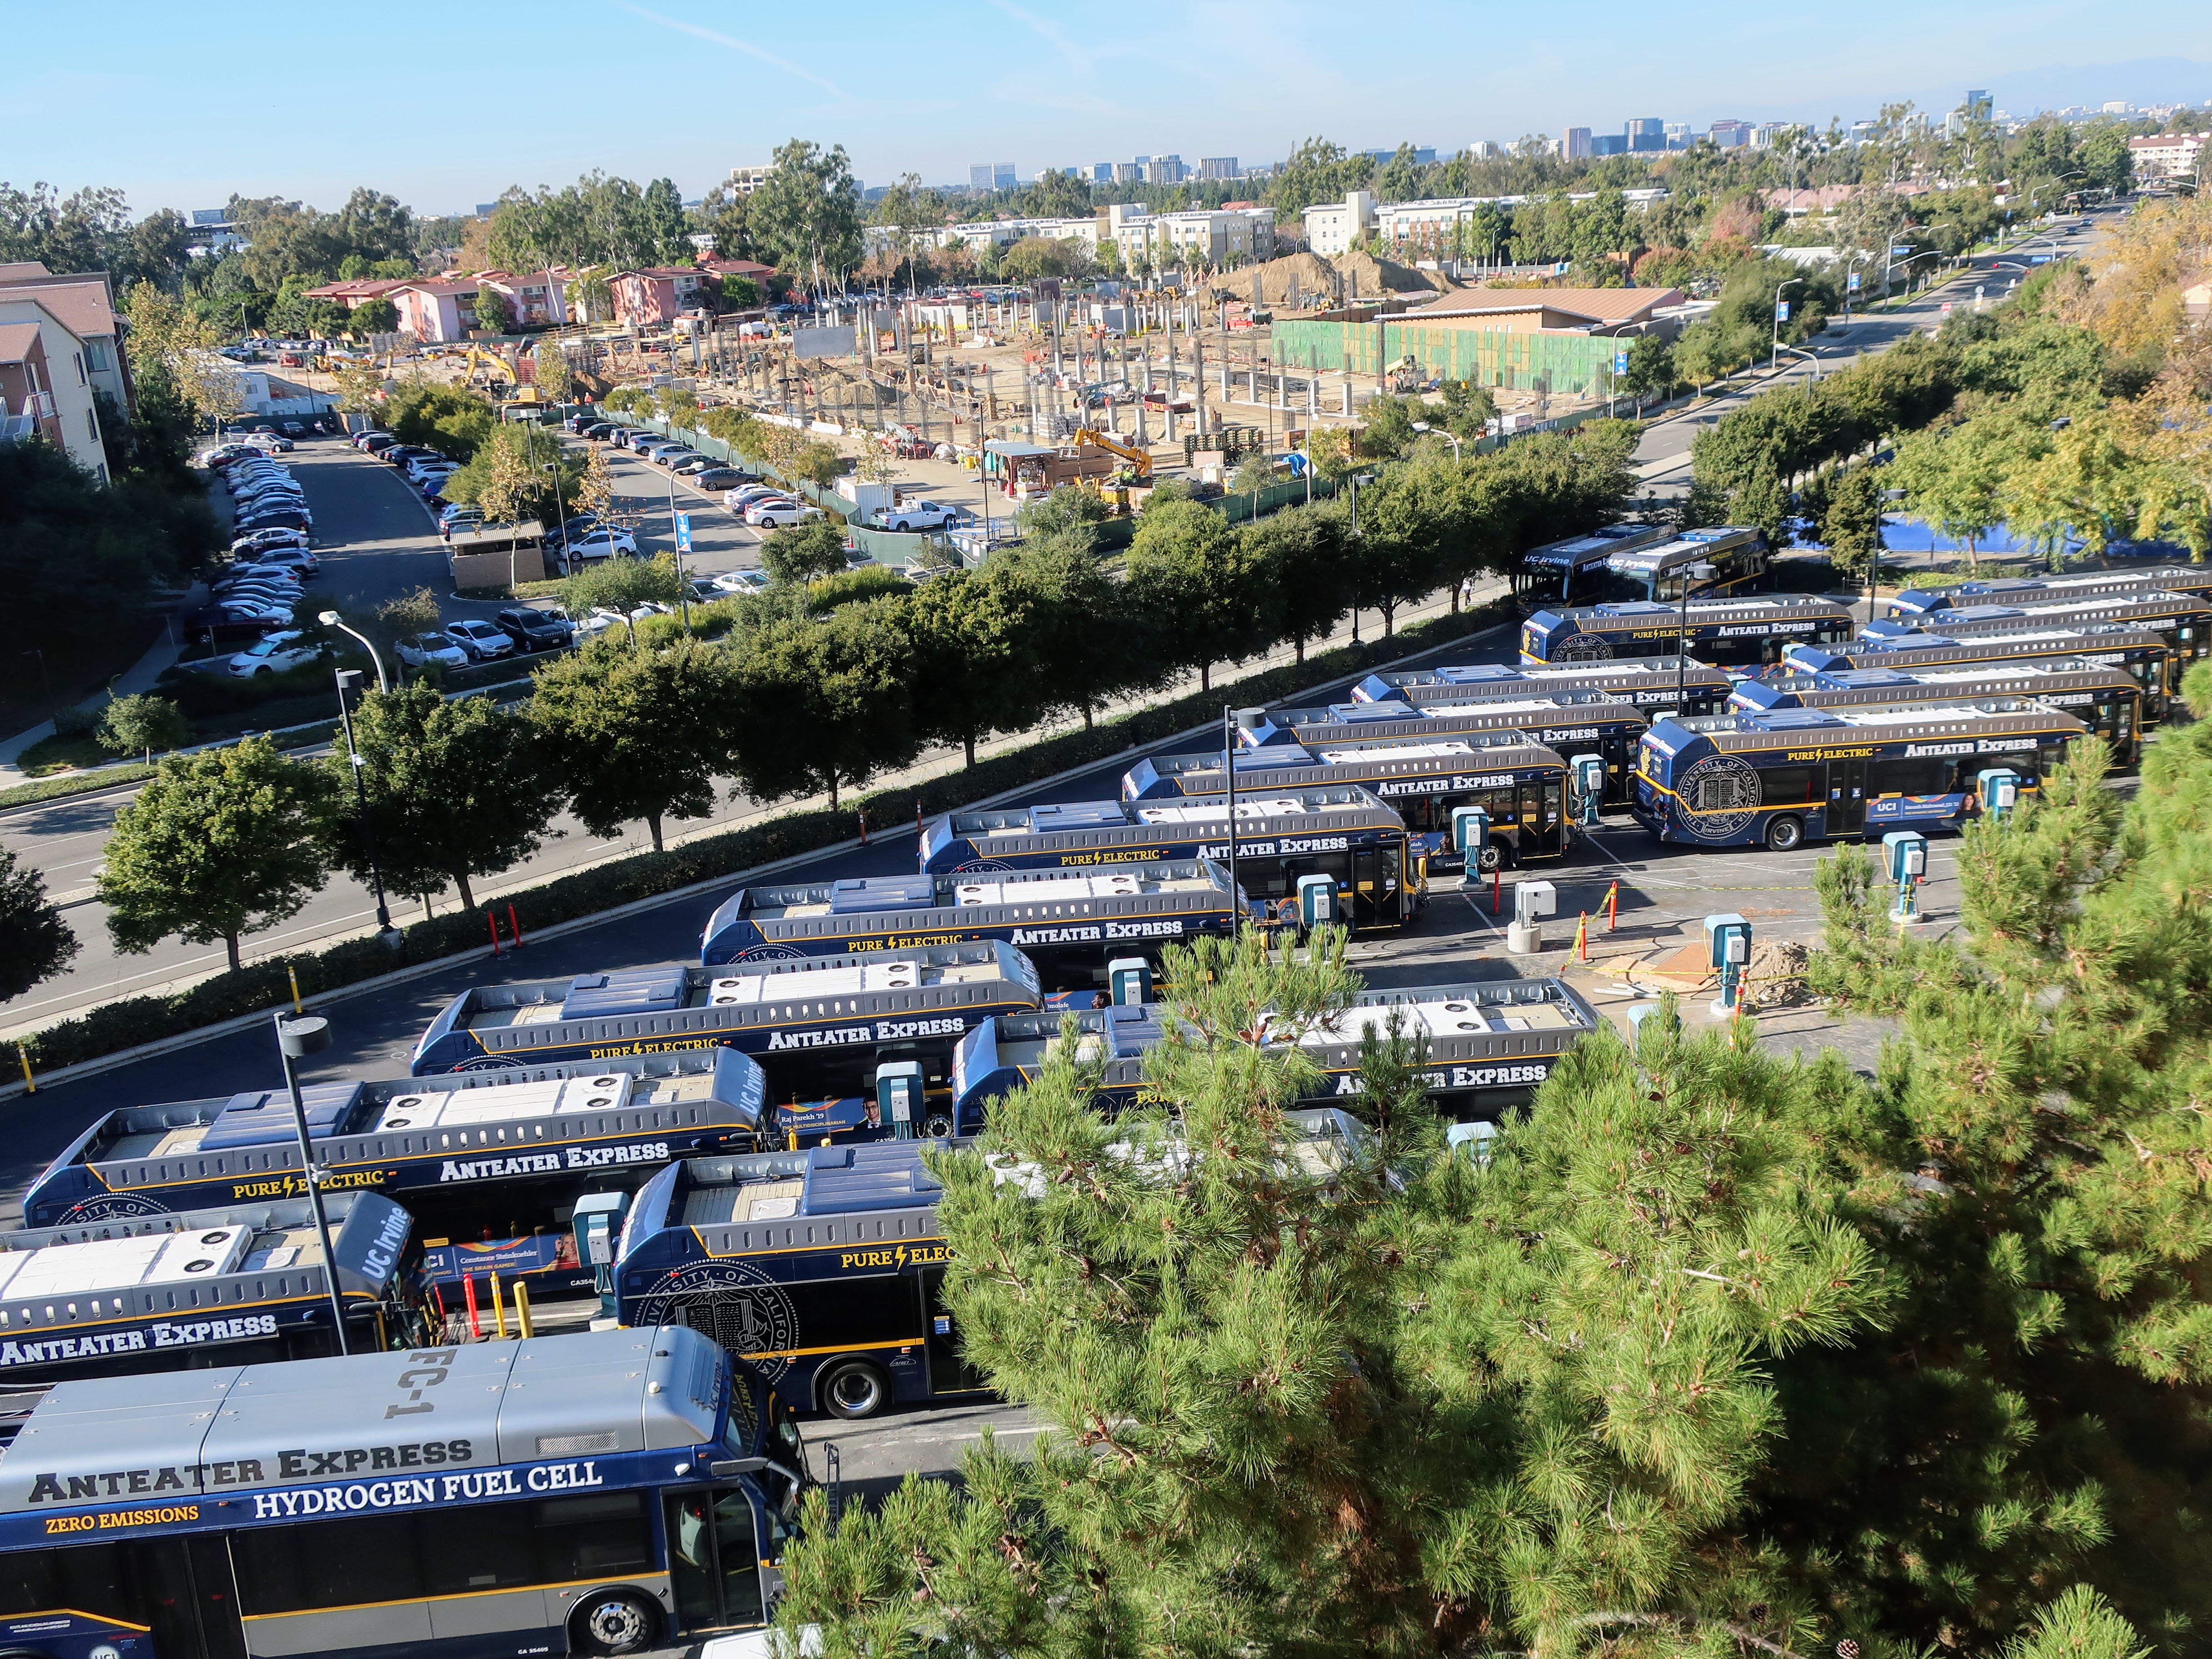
{"x":591,"y":626}
{"x":422,"y":650}
{"x":745,"y":496}
{"x":918,"y":515}
{"x":778,"y":515}
{"x":274,"y":654}
{"x":480,"y":639}
{"x":741,"y":581}
{"x":601,"y":544}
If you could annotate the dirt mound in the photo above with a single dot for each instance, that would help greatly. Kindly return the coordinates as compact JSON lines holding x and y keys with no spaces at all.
{"x":1776,"y":976}
{"x":1303,"y":280}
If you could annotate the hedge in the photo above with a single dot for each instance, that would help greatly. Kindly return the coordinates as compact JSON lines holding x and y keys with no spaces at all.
{"x":73,"y":783}
{"x":133,"y":1020}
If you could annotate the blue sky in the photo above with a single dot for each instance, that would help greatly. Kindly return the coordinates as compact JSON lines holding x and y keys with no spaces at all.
{"x":446,"y":105}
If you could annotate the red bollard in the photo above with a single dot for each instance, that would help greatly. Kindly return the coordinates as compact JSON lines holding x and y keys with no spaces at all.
{"x":1612,"y":906}
{"x":514,"y":927}
{"x":492,"y":921}
{"x":468,"y":1290}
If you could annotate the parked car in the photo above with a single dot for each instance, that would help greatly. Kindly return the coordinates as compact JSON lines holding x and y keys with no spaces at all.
{"x":691,"y":466}
{"x":422,"y":650}
{"x":274,"y":654}
{"x":278,"y":518}
{"x":592,"y":625}
{"x":604,"y":543}
{"x":917,"y":515}
{"x":721,"y":477}
{"x":534,"y":630}
{"x":268,"y":538}
{"x":220,"y":624}
{"x":294,"y":561}
{"x":599,"y":431}
{"x":259,"y":586}
{"x":568,"y":530}
{"x":419,"y":466}
{"x":703,"y":591}
{"x":481,"y":639}
{"x":400,"y":454}
{"x":740,"y":581}
{"x":779,"y":514}
{"x":276,"y":442}
{"x":373,"y":443}
{"x":745,"y":496}
{"x":456,"y":516}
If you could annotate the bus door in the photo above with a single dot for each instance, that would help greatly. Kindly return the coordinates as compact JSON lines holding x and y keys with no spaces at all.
{"x":948,"y":1369}
{"x":713,"y":1558}
{"x":1847,"y":786}
{"x":1618,"y":749}
{"x":1375,"y":887}
{"x":2117,"y":717}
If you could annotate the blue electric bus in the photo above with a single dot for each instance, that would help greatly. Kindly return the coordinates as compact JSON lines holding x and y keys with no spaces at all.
{"x":1678,"y":684}
{"x":1519,"y":782}
{"x":1570,"y":722}
{"x":1725,"y":633}
{"x":1831,"y":774}
{"x":2192,"y":580}
{"x":1281,"y":835}
{"x":500,"y":1150}
{"x":1069,"y":922}
{"x":2145,"y":655}
{"x":2184,"y":618}
{"x":1560,"y":571}
{"x":1489,"y":1045}
{"x":822,"y":1269}
{"x":207,"y":1287}
{"x":2106,"y":699}
{"x":1736,"y":553}
{"x":597,"y":1493}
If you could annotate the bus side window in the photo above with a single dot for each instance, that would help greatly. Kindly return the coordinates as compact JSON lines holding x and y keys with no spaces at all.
{"x":1787,"y":786}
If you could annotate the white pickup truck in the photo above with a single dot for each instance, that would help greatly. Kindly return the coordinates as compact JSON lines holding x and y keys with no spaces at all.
{"x":917,"y":515}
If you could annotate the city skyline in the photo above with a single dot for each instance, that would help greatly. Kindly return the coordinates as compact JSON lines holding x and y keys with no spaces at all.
{"x":170,"y":114}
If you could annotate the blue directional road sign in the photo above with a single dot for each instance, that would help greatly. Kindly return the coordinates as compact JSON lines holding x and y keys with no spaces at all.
{"x":1620,"y":363}
{"x":683,"y":533}
{"x":1854,"y":281}
{"x":1781,"y":312}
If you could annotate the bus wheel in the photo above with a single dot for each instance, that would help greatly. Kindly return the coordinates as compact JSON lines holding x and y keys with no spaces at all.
{"x":1785,"y":833}
{"x":854,"y":1388}
{"x":614,"y":1622}
{"x":1492,"y":855}
{"x":938,"y":1127}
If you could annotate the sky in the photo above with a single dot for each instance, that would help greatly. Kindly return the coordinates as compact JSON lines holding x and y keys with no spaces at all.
{"x":181,"y":105}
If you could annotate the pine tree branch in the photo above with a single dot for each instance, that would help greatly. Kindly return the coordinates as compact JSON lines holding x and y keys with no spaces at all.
{"x":1747,"y":1638}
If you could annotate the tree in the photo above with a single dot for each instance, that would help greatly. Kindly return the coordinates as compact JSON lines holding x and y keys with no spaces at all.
{"x":799,"y":553}
{"x":972,"y":637}
{"x":1299,"y":553}
{"x":595,"y":490}
{"x":739,"y":291}
{"x":141,"y":723}
{"x":551,"y":374}
{"x":169,"y":341}
{"x":805,"y":217}
{"x":1405,"y":522}
{"x":1651,"y":371}
{"x":1468,"y":409}
{"x":510,"y":484}
{"x":828,"y":703}
{"x":403,"y":616}
{"x":1851,"y":526}
{"x":378,"y":316}
{"x":637,"y":734}
{"x":1083,"y":636}
{"x":1067,"y":507}
{"x":35,"y":943}
{"x":622,"y":584}
{"x":1388,"y":432}
{"x":454,"y":790}
{"x":218,"y":845}
{"x":1192,"y":582}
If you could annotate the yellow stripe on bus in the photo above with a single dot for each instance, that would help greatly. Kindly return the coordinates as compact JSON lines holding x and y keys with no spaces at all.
{"x":414,"y":1601}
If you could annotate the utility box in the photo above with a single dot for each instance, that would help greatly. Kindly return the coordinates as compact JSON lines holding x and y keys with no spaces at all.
{"x":1641,"y":1017}
{"x":597,"y":1222}
{"x":1129,"y":982}
{"x":1470,"y":834}
{"x":1905,"y":854}
{"x":1316,"y":901}
{"x":2000,"y":790}
{"x":898,"y":1096}
{"x":1588,"y":773}
{"x":1532,"y":902}
{"x":1729,"y":939}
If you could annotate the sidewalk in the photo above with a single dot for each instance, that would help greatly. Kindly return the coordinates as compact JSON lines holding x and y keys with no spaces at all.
{"x":142,"y":675}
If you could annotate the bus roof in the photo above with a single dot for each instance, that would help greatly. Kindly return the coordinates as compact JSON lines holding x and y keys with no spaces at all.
{"x":1632,"y":613}
{"x":1885,"y":722}
{"x":1482,"y":681}
{"x":1685,"y":549}
{"x":1531,"y":707}
{"x":856,"y":895}
{"x":1388,"y":758}
{"x":1054,"y":818}
{"x":1991,"y":618}
{"x":1593,"y":547}
{"x":2033,"y":643}
{"x":1826,"y":687}
{"x":307,"y":1421}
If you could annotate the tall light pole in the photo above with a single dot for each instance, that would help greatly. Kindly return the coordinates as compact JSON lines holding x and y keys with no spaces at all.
{"x":1691,"y":574}
{"x":329,"y":619}
{"x":1442,"y":432}
{"x":350,"y":680}
{"x":297,"y":1038}
{"x":1793,"y":282}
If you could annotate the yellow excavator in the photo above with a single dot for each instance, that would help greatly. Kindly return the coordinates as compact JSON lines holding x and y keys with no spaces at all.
{"x":1139,"y":461}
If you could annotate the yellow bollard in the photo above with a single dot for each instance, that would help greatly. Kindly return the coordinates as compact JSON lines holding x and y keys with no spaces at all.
{"x":30,"y":1082}
{"x":498,"y":1309}
{"x":292,"y":974}
{"x":522,"y":1310}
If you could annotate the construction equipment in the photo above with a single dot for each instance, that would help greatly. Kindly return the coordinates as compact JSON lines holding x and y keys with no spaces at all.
{"x":1139,"y":461}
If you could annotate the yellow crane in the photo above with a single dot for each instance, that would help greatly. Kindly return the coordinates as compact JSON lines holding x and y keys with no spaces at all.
{"x":1139,"y":461}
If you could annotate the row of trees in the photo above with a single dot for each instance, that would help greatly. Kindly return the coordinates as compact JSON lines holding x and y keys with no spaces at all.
{"x":1715,"y":1352}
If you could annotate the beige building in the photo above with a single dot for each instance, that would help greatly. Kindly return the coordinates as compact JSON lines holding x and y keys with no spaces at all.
{"x":86,"y":306}
{"x":2167,"y":154}
{"x":1332,"y":227}
{"x":46,"y":384}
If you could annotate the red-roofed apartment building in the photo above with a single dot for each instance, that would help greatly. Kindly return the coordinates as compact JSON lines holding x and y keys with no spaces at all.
{"x":85,"y":305}
{"x":656,"y":294}
{"x":45,"y":389}
{"x":534,"y":299}
{"x":357,"y":291}
{"x":436,"y":311}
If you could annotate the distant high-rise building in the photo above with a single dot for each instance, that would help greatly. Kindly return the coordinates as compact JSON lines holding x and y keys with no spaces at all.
{"x":1002,"y":175}
{"x":1211,"y":167}
{"x":1165,"y":170}
{"x":1609,"y":144}
{"x":1979,"y":107}
{"x":1102,"y":173}
{"x":1862,"y":132}
{"x":1576,"y":143}
{"x":1730,"y":135}
{"x":1646,"y":132}
{"x":2117,"y":107}
{"x":978,"y":177}
{"x":743,"y":181}
{"x":1128,"y":172}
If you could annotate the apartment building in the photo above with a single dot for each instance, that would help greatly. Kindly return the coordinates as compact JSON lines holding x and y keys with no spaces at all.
{"x":85,"y":305}
{"x":45,"y":384}
{"x":1332,"y":227}
{"x":2168,"y":155}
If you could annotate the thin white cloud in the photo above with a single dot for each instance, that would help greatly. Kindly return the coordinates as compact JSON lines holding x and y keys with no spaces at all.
{"x":734,"y":44}
{"x":1048,"y":32}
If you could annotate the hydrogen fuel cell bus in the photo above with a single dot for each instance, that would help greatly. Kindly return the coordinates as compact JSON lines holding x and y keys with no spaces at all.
{"x":1281,"y":835}
{"x":207,"y":1287}
{"x":820,"y":1027}
{"x":1487,"y":1047}
{"x":1831,"y":774}
{"x":2143,"y":654}
{"x":821,"y":1270}
{"x":1725,"y":633}
{"x":1520,"y":783}
{"x":1069,"y":922}
{"x":1570,"y":722}
{"x":2106,"y":699}
{"x":1737,"y":554}
{"x":1683,"y":686}
{"x":496,"y":1148}
{"x":595,"y":1493}
{"x":1559,"y":571}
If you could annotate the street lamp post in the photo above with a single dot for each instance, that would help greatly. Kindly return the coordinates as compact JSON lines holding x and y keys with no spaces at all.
{"x":1775,"y":360}
{"x":1691,"y":574}
{"x":329,"y":619}
{"x":297,"y":1038}
{"x":350,"y":680}
{"x":1442,"y":432}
